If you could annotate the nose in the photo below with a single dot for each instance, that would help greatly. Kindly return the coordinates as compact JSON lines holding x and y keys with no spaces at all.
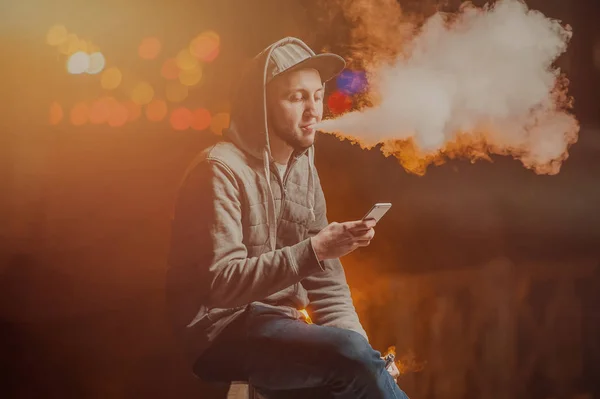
{"x":311,"y":109}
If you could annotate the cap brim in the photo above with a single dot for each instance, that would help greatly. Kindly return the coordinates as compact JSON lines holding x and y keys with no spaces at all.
{"x":329,"y":65}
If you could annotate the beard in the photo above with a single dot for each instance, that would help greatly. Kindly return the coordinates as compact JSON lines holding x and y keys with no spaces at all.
{"x":292,"y":139}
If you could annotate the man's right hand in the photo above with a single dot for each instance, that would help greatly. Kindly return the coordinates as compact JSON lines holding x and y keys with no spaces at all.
{"x":339,"y":239}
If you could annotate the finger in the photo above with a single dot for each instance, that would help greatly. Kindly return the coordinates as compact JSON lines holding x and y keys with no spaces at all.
{"x":357,"y":225}
{"x":365,"y":235}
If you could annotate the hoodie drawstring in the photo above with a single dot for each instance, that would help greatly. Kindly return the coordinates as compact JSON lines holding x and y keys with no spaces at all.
{"x":311,"y":183}
{"x":271,"y":217}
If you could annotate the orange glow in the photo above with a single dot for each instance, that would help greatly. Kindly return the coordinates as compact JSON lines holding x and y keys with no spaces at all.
{"x":142,"y":93}
{"x":219,"y":122}
{"x":181,"y":119}
{"x":56,"y":35}
{"x":134,"y":111}
{"x":190,"y":77}
{"x":205,"y":47}
{"x":156,"y":110}
{"x":201,"y":119}
{"x":176,"y":92}
{"x":56,"y":113}
{"x":149,"y":48}
{"x":118,"y":114}
{"x":169,"y":69}
{"x":80,"y":114}
{"x":111,"y":78}
{"x":306,"y":316}
{"x":70,"y":45}
{"x":185,"y":60}
{"x":100,"y":111}
{"x":212,"y":55}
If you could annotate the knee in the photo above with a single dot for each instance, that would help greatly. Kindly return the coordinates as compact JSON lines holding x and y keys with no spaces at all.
{"x":356,"y":356}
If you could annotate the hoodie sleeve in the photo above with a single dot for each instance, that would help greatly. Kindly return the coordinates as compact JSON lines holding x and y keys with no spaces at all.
{"x":207,"y":252}
{"x":328,"y":292}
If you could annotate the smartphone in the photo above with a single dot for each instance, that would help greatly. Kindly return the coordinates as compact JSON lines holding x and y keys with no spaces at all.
{"x":377,"y":211}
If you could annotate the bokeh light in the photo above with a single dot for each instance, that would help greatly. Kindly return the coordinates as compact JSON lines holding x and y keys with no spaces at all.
{"x":339,"y":102}
{"x":134,"y":110}
{"x":70,"y":45}
{"x":352,"y":82}
{"x":111,"y":78}
{"x":56,"y":35}
{"x":169,"y":69}
{"x":100,"y":111}
{"x":205,"y":46}
{"x":97,"y":63}
{"x":79,"y":114}
{"x":190,"y":77}
{"x":56,"y":113}
{"x":185,"y":60}
{"x":142,"y":93}
{"x":118,"y":114}
{"x":176,"y":92}
{"x":219,"y":122}
{"x":156,"y":110}
{"x":82,"y":45}
{"x":181,"y":118}
{"x":201,"y":119}
{"x":149,"y":48}
{"x":78,"y":63}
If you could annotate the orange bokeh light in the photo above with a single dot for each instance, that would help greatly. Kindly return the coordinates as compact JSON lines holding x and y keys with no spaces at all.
{"x":111,"y":78}
{"x":205,"y":47}
{"x":156,"y":110}
{"x":219,"y":122}
{"x":181,"y":118}
{"x":149,"y":48}
{"x":80,"y":114}
{"x":142,"y":93}
{"x":56,"y":35}
{"x":56,"y":113}
{"x":118,"y":114}
{"x":169,"y":69}
{"x":201,"y":119}
{"x":185,"y":60}
{"x":100,"y":111}
{"x":190,"y":77}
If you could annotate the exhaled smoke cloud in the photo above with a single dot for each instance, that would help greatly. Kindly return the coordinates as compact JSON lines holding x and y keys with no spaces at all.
{"x":478,"y":82}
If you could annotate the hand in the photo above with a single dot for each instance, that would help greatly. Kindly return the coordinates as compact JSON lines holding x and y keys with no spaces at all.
{"x":393,"y":370}
{"x":339,"y":239}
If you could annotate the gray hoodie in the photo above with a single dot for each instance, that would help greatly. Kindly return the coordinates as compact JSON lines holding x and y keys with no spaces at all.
{"x":241,"y":233}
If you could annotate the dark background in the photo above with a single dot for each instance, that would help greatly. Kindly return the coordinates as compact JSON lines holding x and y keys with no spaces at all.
{"x":84,"y":221}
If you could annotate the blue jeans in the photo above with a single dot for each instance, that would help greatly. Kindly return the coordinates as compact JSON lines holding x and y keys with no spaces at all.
{"x":289,"y":358}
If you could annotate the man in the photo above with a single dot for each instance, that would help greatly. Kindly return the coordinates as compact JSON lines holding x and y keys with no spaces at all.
{"x":251,"y":246}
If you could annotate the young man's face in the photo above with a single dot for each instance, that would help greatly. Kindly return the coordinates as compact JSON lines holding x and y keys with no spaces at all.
{"x":294,"y":104}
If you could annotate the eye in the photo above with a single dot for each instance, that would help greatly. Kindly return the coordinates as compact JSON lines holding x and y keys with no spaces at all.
{"x":296,"y":97}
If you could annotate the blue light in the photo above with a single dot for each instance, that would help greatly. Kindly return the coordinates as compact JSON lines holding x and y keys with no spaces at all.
{"x":352,"y":82}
